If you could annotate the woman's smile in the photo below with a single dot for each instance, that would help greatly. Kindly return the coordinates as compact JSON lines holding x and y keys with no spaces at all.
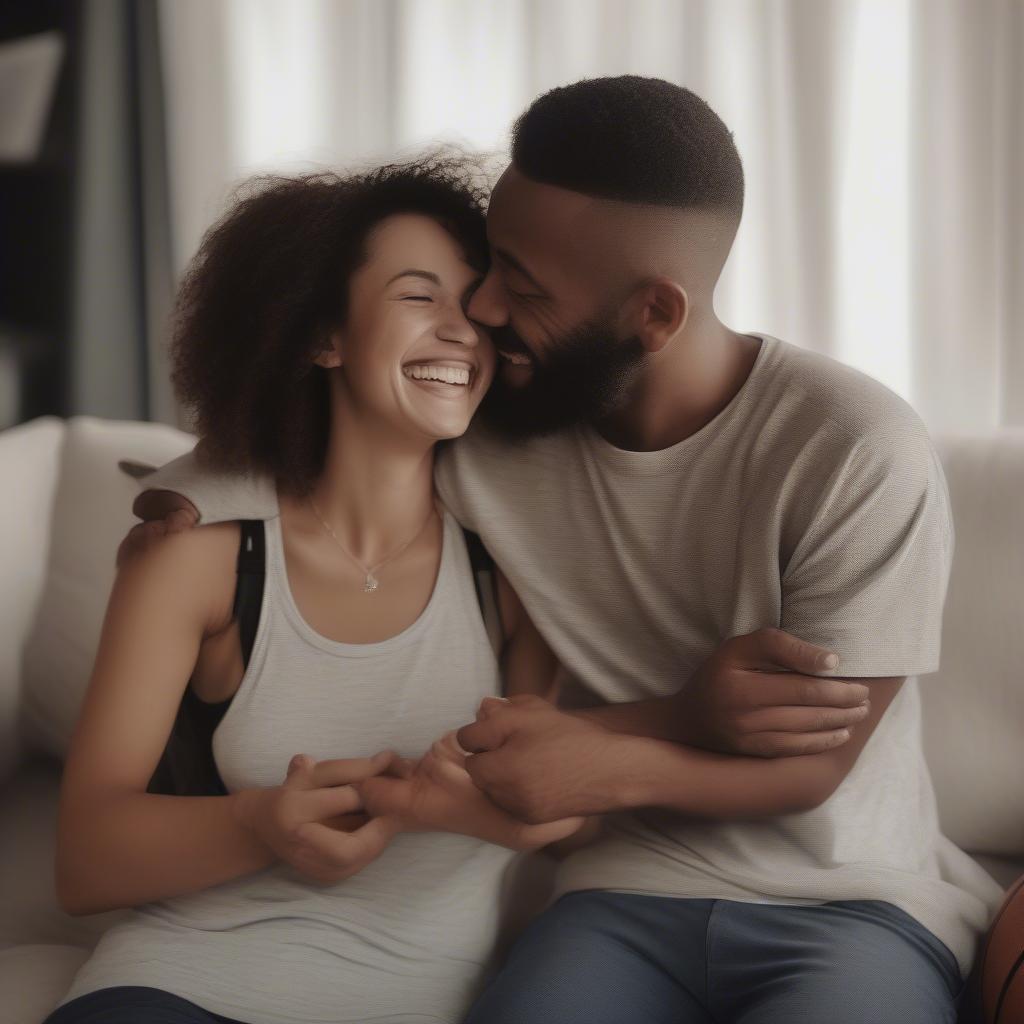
{"x":448,"y":378}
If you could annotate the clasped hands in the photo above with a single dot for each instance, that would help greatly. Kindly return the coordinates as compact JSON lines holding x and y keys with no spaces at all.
{"x":331,"y":818}
{"x":526,"y":774}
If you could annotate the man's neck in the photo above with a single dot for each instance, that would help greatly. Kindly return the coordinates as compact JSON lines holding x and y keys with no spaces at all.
{"x":684,"y":387}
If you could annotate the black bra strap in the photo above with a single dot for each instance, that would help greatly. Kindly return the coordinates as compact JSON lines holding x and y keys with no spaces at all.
{"x":485,"y":580}
{"x":251,"y":569}
{"x":479,"y":557}
{"x":187,"y":766}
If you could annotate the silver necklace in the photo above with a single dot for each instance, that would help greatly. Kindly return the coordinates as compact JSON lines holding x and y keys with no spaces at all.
{"x":371,"y":583}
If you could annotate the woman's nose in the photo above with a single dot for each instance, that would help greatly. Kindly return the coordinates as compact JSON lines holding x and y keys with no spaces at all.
{"x":457,"y":327}
{"x":488,"y":305}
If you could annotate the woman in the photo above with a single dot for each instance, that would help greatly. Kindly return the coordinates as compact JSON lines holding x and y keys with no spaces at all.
{"x":321,"y":338}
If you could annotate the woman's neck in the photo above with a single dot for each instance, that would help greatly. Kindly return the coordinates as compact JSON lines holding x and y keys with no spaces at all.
{"x":376,"y":490}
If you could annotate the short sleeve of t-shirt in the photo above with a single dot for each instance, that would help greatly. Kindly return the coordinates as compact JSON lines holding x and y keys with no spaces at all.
{"x":224,"y":497}
{"x":868,"y":578}
{"x":446,"y":484}
{"x":219,"y":497}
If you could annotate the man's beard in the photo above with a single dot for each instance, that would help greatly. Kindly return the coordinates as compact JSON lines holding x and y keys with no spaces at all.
{"x":585,"y":377}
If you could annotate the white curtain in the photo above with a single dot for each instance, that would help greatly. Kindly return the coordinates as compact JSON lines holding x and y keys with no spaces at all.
{"x":883,"y":143}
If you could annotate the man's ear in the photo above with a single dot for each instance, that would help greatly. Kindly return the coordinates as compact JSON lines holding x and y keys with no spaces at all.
{"x":656,"y":312}
{"x":330,"y":355}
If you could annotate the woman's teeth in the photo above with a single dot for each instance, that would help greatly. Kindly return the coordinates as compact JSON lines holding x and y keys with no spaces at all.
{"x":444,"y":374}
{"x":519,"y":358}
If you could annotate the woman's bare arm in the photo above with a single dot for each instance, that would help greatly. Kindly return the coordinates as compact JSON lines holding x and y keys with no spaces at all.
{"x":117,"y":845}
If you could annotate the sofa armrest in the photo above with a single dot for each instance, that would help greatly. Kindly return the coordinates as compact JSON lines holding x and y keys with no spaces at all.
{"x":29,"y":468}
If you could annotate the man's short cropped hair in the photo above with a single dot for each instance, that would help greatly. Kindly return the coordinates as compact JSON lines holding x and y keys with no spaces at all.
{"x":641,"y":140}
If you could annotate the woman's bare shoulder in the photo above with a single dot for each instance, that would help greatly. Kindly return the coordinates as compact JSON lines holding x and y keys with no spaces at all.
{"x":187,"y":549}
{"x":197,"y":565}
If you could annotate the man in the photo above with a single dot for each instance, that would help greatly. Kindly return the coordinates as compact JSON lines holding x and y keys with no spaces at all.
{"x":667,"y":496}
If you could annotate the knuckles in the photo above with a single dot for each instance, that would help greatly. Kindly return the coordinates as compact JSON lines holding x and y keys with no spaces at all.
{"x":532,"y":815}
{"x":527,"y":804}
{"x":758,"y":747}
{"x":730,"y":693}
{"x":808,"y":692}
{"x":528,"y":809}
{"x":328,"y":875}
{"x":746,"y":725}
{"x":292,"y":832}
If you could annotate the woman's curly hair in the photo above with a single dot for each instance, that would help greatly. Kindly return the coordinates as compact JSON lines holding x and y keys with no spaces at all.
{"x":271,"y":282}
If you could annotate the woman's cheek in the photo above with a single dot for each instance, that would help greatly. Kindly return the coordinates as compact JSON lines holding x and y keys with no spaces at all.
{"x":488,"y":368}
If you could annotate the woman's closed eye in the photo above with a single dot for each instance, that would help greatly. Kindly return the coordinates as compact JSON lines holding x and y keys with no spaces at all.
{"x":418,"y":298}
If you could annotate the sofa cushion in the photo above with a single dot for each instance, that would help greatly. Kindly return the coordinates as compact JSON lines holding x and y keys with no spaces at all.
{"x":1005,"y":871}
{"x":29,"y":912}
{"x":35,"y":978}
{"x":92,"y":513}
{"x":29,"y":462}
{"x":973,"y":708}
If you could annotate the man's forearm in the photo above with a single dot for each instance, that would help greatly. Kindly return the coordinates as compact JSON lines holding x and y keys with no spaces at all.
{"x":702,"y":784}
{"x":656,"y":718}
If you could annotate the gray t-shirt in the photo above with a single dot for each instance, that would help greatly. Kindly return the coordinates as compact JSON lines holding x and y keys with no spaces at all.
{"x":815,"y":502}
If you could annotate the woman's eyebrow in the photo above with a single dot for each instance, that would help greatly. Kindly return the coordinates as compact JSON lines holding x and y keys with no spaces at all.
{"x":426,"y":274}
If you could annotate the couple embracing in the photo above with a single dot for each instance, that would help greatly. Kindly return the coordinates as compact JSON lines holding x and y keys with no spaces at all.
{"x":737,"y":549}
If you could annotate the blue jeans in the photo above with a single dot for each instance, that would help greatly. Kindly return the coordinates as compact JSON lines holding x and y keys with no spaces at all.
{"x":597,"y":957}
{"x":133,"y":1004}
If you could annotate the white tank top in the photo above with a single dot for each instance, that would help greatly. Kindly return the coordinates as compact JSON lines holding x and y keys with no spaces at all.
{"x":407,"y":938}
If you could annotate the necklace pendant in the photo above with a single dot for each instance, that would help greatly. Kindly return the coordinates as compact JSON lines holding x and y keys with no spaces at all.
{"x":371,"y":583}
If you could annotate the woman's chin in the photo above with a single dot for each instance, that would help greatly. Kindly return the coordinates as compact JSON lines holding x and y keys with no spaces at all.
{"x":451,"y":432}
{"x":440,"y":411}
{"x":442,"y":428}
{"x":443,"y":420}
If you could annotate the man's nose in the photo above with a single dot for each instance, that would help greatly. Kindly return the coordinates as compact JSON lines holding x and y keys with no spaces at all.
{"x":488,"y":305}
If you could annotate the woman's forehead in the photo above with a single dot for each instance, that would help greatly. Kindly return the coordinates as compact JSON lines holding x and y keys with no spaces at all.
{"x":417,"y":241}
{"x":410,"y":231}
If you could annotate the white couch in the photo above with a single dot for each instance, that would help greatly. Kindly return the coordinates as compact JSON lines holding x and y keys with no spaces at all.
{"x":67,"y":506}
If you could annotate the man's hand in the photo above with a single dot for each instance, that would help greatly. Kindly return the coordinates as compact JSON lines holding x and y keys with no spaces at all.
{"x":437,"y":794}
{"x":541,"y":764}
{"x":162,"y":512}
{"x":756,"y":696}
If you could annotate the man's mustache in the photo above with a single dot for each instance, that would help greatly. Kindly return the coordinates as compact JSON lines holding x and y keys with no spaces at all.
{"x":506,"y":340}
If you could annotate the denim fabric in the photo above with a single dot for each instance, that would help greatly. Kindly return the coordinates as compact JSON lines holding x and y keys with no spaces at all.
{"x":132,"y":1004}
{"x":597,"y":957}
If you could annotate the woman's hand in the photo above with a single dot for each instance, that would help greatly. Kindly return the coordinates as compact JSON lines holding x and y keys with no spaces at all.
{"x":436,"y":794}
{"x":309,"y":823}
